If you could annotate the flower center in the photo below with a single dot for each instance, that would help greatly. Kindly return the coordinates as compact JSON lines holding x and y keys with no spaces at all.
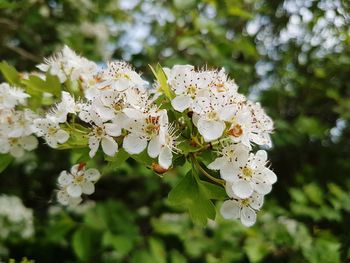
{"x":191,"y":90}
{"x":247,"y":172}
{"x":245,"y":202}
{"x":79,"y":179}
{"x":51,"y":130}
{"x":212,"y":115}
{"x":118,"y":106}
{"x":99,"y":132}
{"x":152,"y":129}
{"x":13,"y":141}
{"x":220,"y":87}
{"x":121,"y":75}
{"x":235,"y":131}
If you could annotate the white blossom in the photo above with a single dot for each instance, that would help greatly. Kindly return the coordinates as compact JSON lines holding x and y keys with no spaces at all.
{"x":50,"y":130}
{"x":243,"y":209}
{"x":76,"y":182}
{"x":251,"y":176}
{"x":102,"y":134}
{"x":11,"y":96}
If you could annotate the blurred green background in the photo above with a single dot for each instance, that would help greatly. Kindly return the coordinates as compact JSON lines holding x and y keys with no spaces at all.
{"x":293,"y":56}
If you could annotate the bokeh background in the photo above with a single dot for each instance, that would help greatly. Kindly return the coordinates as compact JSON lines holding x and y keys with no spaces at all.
{"x":292,"y":55}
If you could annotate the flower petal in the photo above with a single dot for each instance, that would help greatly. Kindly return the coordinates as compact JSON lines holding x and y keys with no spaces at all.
{"x":74,"y":190}
{"x":210,"y":130}
{"x":230,"y":209}
{"x":61,"y":136}
{"x":217,"y":164}
{"x":270,"y":175}
{"x":248,"y":216}
{"x":165,"y":157}
{"x":65,"y":178}
{"x":88,"y":188}
{"x":256,"y":201}
{"x":92,"y":174}
{"x":109,"y":145}
{"x":242,"y":189}
{"x":94,"y":143}
{"x":154,"y":147}
{"x":181,"y":103}
{"x":113,"y":129}
{"x":29,"y":142}
{"x":63,"y":197}
{"x":134,"y":144}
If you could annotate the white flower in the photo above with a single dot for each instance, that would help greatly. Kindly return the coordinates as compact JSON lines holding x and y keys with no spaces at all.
{"x":76,"y":182}
{"x":207,"y":117}
{"x":67,"y":105}
{"x":163,"y":146}
{"x":230,"y":155}
{"x":144,"y":127}
{"x":17,"y":146}
{"x":17,"y":123}
{"x":240,"y":122}
{"x":51,"y":131}
{"x":102,"y":134}
{"x":120,"y":76}
{"x":187,"y":85}
{"x":11,"y":96}
{"x":67,"y":64}
{"x":65,"y":199}
{"x":262,"y":125}
{"x":250,"y":177}
{"x":243,"y":209}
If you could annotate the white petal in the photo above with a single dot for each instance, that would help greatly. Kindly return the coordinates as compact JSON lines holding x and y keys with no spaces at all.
{"x":181,"y":103}
{"x":94,"y":143}
{"x":154,"y":147}
{"x":133,"y":113}
{"x":61,"y":136}
{"x":261,"y":157}
{"x":248,"y":216}
{"x":88,"y":188}
{"x":256,"y":201}
{"x":65,"y":178}
{"x":261,"y":187}
{"x":134,"y":144}
{"x":210,"y":130}
{"x":228,"y":189}
{"x":63,"y":197}
{"x":217,"y":164}
{"x":17,"y":151}
{"x":165,"y":157}
{"x":29,"y":142}
{"x":104,"y":112}
{"x":74,"y":190}
{"x":242,"y":189}
{"x":230,"y":209}
{"x":270,"y":175}
{"x":229,"y":172}
{"x":92,"y":174}
{"x":113,"y":129}
{"x":109,"y":145}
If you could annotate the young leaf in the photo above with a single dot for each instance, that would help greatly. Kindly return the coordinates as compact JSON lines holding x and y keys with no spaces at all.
{"x":10,"y":73}
{"x":162,"y":80}
{"x":5,"y":160}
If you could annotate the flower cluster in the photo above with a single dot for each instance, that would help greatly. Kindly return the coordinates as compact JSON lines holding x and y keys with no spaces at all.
{"x":15,"y":219}
{"x":221,"y":114}
{"x":16,"y":133}
{"x":187,"y":113}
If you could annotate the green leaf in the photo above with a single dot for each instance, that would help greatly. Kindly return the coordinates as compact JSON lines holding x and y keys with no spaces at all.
{"x":5,"y":160}
{"x":10,"y":73}
{"x":53,"y":85}
{"x":157,"y":250}
{"x":162,"y":80}
{"x":191,"y":194}
{"x":120,"y":157}
{"x":256,"y":249}
{"x":213,"y":191}
{"x":84,"y":240}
